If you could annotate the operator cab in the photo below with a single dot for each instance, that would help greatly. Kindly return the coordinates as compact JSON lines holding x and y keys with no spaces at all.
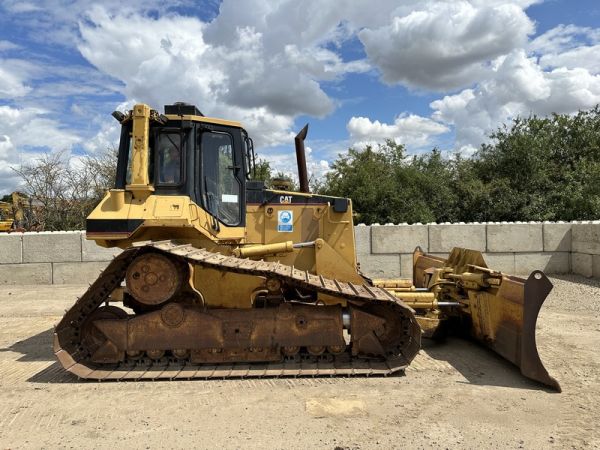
{"x":206,"y":159}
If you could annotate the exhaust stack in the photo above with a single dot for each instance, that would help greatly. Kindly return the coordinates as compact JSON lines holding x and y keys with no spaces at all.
{"x":301,"y":158}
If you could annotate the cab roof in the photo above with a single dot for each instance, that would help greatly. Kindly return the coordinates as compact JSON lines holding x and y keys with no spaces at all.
{"x":186,"y":111}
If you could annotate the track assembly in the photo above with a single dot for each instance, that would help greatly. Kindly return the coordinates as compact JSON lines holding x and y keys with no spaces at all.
{"x":180,"y":339}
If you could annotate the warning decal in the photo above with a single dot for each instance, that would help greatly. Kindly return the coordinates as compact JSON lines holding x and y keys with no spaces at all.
{"x":285,"y":221}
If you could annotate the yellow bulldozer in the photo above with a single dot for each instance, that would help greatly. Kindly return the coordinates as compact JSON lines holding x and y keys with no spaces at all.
{"x":223,"y":277}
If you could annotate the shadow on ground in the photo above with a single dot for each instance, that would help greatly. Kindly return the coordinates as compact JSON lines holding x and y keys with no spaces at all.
{"x":34,"y":348}
{"x":55,"y":373}
{"x":38,"y":348}
{"x":579,"y":279}
{"x":478,"y":365}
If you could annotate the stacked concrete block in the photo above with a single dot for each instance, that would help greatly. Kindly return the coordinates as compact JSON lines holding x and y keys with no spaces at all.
{"x":383,"y":251}
{"x":549,"y":262}
{"x":557,"y":237}
{"x":515,"y":237}
{"x":374,"y":266}
{"x":585,"y":246}
{"x":582,"y":264}
{"x":399,"y":238}
{"x":61,"y":246}
{"x":12,"y":268}
{"x":444,"y":237}
{"x":555,"y":257}
{"x":11,"y":248}
{"x":90,"y":251}
{"x":34,"y":265}
{"x":504,"y":262}
{"x":362,"y":240}
{"x":406,"y":265}
{"x":51,"y":257}
{"x":520,"y":248}
{"x":380,"y":266}
{"x":586,"y":238}
{"x":402,"y":240}
{"x":84,"y":272}
{"x":29,"y":273}
{"x":515,"y":248}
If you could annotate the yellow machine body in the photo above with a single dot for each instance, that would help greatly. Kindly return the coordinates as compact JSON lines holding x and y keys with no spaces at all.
{"x":218,"y":268}
{"x":329,"y":235}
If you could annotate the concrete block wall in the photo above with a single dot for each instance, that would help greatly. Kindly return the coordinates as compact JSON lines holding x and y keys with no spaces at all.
{"x":384,"y":251}
{"x":585,"y":243}
{"x":63,"y":257}
{"x":515,"y":248}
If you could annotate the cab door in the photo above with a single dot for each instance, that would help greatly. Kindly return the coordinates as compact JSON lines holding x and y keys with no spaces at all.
{"x":222,"y":181}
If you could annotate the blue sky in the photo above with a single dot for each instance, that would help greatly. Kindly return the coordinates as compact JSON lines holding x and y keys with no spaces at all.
{"x":425,"y":73}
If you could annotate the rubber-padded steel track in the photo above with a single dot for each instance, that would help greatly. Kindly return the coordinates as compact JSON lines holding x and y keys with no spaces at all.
{"x":75,"y":359}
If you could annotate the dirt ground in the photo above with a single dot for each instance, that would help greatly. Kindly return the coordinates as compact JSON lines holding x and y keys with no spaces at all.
{"x":455,"y":394}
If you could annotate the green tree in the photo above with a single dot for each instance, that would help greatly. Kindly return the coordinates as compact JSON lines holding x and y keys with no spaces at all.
{"x":262,"y":171}
{"x":387,"y":186}
{"x":536,"y":168}
{"x":543,"y":168}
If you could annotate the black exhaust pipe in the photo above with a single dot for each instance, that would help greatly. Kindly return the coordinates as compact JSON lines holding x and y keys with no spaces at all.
{"x":301,"y":158}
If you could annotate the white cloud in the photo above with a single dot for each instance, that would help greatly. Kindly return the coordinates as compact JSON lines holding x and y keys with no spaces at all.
{"x":323,"y":64}
{"x":517,"y":86}
{"x":7,"y":45}
{"x":15,"y":6}
{"x":411,"y":130}
{"x":161,"y":60}
{"x":444,"y":45}
{"x":37,"y":80}
{"x":587,"y":57}
{"x":5,"y":146}
{"x":246,"y":65}
{"x":284,"y":161}
{"x":108,"y":130}
{"x":15,"y":77}
{"x":107,"y":137}
{"x":11,"y":85}
{"x":560,"y":75}
{"x":562,"y":38}
{"x":306,"y":24}
{"x":9,"y":180}
{"x":27,"y":127}
{"x":56,"y":21}
{"x":316,"y":167}
{"x":568,"y":46}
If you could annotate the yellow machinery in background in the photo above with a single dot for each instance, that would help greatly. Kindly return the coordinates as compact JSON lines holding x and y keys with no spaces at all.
{"x":12,"y":214}
{"x":222,"y":277}
{"x":6,"y":222}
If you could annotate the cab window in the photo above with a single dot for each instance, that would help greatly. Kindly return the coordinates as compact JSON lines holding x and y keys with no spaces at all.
{"x":169,"y":159}
{"x":221,"y":193}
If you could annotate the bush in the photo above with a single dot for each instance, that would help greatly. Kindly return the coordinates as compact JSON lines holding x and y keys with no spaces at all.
{"x":534,"y":169}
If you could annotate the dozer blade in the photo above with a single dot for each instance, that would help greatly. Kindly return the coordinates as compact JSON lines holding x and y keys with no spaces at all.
{"x":505,"y":322}
{"x":500,"y":312}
